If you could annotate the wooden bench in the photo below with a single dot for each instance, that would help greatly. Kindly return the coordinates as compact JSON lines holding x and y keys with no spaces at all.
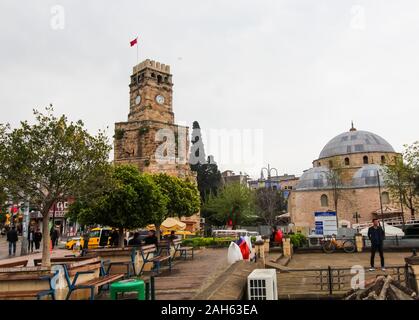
{"x":38,"y":262}
{"x":27,"y":274}
{"x":108,"y":252}
{"x":177,"y":243}
{"x":20,"y":263}
{"x":156,"y":258}
{"x":85,"y":267}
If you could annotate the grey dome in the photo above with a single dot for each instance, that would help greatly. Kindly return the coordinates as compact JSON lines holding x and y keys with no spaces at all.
{"x":355,"y":142}
{"x":314,"y":178}
{"x":367,"y":176}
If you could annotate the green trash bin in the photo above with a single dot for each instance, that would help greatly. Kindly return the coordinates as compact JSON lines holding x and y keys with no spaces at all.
{"x":130,"y":285}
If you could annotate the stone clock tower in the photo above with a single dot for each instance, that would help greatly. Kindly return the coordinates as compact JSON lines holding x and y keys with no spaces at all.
{"x":150,"y":139}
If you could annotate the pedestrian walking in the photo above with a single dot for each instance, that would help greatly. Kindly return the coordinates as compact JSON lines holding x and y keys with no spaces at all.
{"x":37,"y":238}
{"x":54,"y":237}
{"x":31,"y":239}
{"x":12,"y":238}
{"x":376,"y":235}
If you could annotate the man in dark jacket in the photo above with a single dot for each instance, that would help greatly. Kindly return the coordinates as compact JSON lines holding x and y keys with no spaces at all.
{"x":151,"y":238}
{"x":376,"y":235}
{"x":37,"y":238}
{"x":54,"y":236}
{"x":12,"y":239}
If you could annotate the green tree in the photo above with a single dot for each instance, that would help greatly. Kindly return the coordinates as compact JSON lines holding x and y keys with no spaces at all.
{"x":208,"y":175}
{"x":197,"y":154}
{"x":402,"y":176}
{"x":183,"y":198}
{"x":234,"y":201}
{"x":208,"y":178}
{"x":128,"y":200}
{"x":48,"y":161}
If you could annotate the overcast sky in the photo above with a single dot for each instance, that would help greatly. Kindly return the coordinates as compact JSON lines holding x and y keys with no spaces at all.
{"x":301,"y":70}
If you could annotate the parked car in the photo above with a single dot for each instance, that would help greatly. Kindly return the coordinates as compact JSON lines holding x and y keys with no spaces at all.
{"x":98,"y":237}
{"x":411,"y":232}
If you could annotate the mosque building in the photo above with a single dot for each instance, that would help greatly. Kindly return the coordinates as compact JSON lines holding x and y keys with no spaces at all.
{"x":348,"y":177}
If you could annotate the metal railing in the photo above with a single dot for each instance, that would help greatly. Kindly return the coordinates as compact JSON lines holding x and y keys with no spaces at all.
{"x":389,"y":221}
{"x":331,"y":281}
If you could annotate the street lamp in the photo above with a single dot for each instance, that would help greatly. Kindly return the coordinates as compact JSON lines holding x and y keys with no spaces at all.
{"x":357,"y":216}
{"x":269,"y":170}
{"x":381,"y":200}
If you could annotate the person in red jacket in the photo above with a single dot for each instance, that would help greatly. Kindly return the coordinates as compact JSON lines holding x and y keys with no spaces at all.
{"x":278,"y":236}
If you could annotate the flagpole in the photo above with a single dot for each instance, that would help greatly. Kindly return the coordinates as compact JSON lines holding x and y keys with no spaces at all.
{"x":137,"y":52}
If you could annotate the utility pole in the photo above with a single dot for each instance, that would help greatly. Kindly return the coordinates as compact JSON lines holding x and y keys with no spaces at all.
{"x":381,"y":202}
{"x":25,"y":229}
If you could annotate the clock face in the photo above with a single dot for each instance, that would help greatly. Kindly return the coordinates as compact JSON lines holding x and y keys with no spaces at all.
{"x":160,"y":99}
{"x":138,"y":100}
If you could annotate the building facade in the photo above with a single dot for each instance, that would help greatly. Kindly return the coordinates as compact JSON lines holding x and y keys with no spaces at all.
{"x":348,"y":177}
{"x":229,"y":177}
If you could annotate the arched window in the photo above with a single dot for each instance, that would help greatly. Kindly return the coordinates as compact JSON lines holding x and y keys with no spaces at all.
{"x":347,"y":162}
{"x":383,"y":159}
{"x":365,"y":159}
{"x":385,"y":198}
{"x":159,"y":79}
{"x":320,"y":164}
{"x":324,"y":200}
{"x":330,"y":164}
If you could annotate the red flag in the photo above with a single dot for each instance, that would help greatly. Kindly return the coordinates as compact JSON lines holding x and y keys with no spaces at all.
{"x":133,"y":42}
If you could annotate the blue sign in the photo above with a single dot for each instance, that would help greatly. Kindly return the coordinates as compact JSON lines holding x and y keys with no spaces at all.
{"x":319,"y":227}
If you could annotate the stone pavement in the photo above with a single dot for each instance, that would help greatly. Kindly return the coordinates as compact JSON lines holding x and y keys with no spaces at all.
{"x":190,"y":276}
{"x":5,"y":258}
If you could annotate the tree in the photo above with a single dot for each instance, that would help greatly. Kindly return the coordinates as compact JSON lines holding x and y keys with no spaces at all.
{"x":269,"y":204}
{"x":334,"y":177}
{"x":183,"y":198}
{"x":208,"y":178}
{"x":48,"y":161}
{"x":402,"y":177}
{"x":234,"y":201}
{"x":197,"y":154}
{"x":128,"y":200}
{"x":208,"y":175}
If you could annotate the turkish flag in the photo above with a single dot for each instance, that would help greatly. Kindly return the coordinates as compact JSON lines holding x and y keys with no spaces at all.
{"x":244,"y":250}
{"x":133,"y":42}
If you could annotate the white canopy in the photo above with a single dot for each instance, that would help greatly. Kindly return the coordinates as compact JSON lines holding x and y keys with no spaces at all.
{"x":390,"y":231}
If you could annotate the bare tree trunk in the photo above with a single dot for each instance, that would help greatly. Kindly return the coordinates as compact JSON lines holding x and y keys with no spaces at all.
{"x":46,"y":259}
{"x":121,"y":237}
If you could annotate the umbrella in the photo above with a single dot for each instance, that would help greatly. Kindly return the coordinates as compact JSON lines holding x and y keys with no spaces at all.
{"x":170,"y":224}
{"x":390,"y":231}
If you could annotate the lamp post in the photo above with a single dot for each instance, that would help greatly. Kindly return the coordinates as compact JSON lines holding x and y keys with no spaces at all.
{"x":381,"y":201}
{"x":357,"y":216}
{"x":25,"y":229}
{"x":269,"y":170}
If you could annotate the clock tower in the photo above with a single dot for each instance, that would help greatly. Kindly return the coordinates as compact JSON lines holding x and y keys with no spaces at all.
{"x":150,"y":139}
{"x":151,"y":93}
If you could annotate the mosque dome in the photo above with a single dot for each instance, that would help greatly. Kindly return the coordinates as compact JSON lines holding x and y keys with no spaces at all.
{"x":355,"y":141}
{"x":367,"y":176}
{"x":314,"y":178}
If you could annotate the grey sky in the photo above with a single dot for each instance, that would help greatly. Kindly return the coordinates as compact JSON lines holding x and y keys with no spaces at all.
{"x":300,"y":70}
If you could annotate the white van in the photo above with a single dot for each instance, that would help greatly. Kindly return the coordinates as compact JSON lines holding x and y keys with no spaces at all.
{"x":233,"y":233}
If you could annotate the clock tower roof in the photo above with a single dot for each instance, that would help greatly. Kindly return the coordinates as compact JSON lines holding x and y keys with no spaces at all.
{"x":151,"y":64}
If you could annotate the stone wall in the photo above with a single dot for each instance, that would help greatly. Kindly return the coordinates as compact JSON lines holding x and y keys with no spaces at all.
{"x":365,"y":201}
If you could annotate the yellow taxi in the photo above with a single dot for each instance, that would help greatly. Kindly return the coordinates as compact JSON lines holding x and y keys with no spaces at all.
{"x":98,"y":237}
